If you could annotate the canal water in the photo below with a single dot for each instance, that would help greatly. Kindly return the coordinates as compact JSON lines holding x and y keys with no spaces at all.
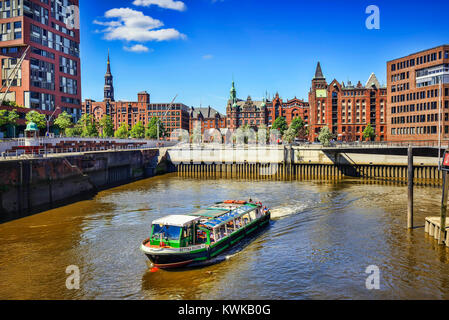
{"x":323,"y":238}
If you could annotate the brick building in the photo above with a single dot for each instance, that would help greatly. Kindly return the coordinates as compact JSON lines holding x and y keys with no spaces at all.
{"x":173,"y":117}
{"x":347,"y":109}
{"x":255,"y":113}
{"x":208,"y":118}
{"x":418,"y":90}
{"x":50,"y":75}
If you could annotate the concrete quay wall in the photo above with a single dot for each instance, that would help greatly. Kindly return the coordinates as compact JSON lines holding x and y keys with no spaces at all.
{"x":32,"y":185}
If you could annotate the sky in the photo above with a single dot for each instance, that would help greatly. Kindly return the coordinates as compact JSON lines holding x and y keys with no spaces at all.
{"x":195,"y":48}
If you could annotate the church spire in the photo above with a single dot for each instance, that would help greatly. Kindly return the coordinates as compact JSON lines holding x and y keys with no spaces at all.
{"x":108,"y":71}
{"x":318,"y":72}
{"x":233,"y":96}
{"x":108,"y":82}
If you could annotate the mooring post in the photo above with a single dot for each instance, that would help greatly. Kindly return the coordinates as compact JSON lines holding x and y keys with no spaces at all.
{"x":441,"y":238}
{"x":410,"y":189}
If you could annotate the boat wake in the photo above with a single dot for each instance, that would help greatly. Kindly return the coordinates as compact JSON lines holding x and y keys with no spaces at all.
{"x":288,"y":210}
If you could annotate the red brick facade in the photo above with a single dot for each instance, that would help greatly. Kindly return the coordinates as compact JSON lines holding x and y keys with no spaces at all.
{"x":255,"y":113}
{"x":173,"y":117}
{"x":415,"y":98}
{"x":208,"y":118}
{"x":347,"y":109}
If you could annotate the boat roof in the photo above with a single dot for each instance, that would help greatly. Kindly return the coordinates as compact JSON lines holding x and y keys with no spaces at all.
{"x":231,"y":215}
{"x":176,"y":220}
{"x":210,"y":212}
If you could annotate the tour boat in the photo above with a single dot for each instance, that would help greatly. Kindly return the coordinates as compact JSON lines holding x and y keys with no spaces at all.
{"x":185,"y":240}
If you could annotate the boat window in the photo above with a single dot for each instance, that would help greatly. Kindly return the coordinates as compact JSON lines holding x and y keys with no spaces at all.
{"x":167,"y":232}
{"x":246,"y":219}
{"x":252,"y":214}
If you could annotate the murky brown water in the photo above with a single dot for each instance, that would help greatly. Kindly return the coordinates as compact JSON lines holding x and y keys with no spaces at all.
{"x":319,"y":247}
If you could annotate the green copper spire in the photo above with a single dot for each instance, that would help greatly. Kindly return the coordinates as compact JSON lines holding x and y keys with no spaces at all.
{"x":233,"y":96}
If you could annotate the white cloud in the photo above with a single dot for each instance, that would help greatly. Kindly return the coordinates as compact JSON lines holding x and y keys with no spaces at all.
{"x":133,"y":25}
{"x":207,"y":56}
{"x":137,"y":48}
{"x":166,"y":4}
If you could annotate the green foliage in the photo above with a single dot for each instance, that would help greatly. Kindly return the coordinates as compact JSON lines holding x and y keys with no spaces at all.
{"x":38,"y":118}
{"x":3,"y":117}
{"x":369,"y":133}
{"x":75,"y":131}
{"x":122,"y":132}
{"x":137,"y":131}
{"x":88,"y":126}
{"x":290,"y":134}
{"x":63,"y":121}
{"x":106,"y":127}
{"x":280,"y":124}
{"x":296,"y":128}
{"x":12,"y":104}
{"x":151,"y":130}
{"x":325,"y":136}
{"x":12,"y":118}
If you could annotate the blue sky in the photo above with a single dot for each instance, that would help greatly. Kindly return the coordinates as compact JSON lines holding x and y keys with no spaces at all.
{"x":194,"y":48}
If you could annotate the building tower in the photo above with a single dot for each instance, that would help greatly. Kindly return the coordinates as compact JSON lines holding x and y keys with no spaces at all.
{"x":108,"y":83}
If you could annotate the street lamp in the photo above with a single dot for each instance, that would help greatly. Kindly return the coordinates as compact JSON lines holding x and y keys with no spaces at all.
{"x":48,"y":121}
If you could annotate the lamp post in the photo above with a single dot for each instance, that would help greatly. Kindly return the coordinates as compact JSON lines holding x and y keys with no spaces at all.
{"x":164,"y":114}
{"x":48,"y":121}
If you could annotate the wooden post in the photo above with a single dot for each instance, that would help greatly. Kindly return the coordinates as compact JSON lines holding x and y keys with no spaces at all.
{"x":443,"y":207}
{"x":410,"y":189}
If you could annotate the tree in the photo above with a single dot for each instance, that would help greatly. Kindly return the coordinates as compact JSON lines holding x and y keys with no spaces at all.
{"x":122,"y":132}
{"x":8,"y":119}
{"x":74,"y":131}
{"x":281,"y":124}
{"x":12,"y":118}
{"x":151,"y":130}
{"x":63,"y":121}
{"x":106,"y":127}
{"x":3,"y":118}
{"x":369,"y":133}
{"x":296,"y":126}
{"x":325,"y":136}
{"x":36,"y":117}
{"x":137,"y":131}
{"x":88,"y":126}
{"x":290,"y":134}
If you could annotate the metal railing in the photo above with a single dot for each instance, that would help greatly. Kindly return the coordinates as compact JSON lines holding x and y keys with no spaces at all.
{"x":43,"y":151}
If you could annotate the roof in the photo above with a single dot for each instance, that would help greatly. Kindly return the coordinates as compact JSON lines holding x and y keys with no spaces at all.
{"x":210,"y":212}
{"x":176,"y":220}
{"x":207,"y":113}
{"x":229,"y":216}
{"x":32,"y":127}
{"x":318,"y":72}
{"x":372,"y":82}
